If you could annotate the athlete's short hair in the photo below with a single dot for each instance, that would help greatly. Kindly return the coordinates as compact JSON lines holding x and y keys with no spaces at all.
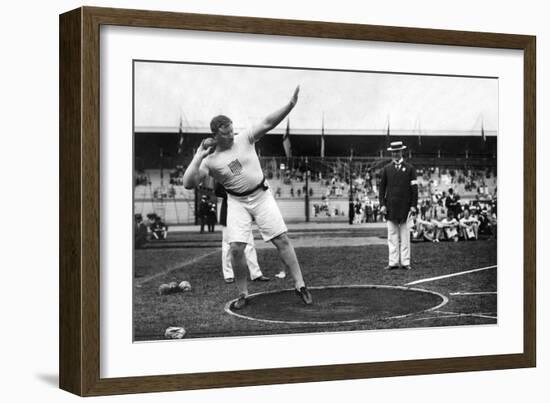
{"x":219,"y":121}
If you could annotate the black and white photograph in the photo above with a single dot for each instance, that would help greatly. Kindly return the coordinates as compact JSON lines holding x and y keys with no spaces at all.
{"x":241,"y":201}
{"x":273,"y":200}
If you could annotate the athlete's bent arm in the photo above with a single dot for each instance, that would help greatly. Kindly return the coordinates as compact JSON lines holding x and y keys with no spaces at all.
{"x":273,"y":119}
{"x":194,"y":174}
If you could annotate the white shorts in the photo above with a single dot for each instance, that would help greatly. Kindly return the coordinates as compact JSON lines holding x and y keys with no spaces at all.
{"x":260,"y":206}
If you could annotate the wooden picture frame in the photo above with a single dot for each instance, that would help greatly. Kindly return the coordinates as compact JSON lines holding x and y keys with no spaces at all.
{"x":80,"y":200}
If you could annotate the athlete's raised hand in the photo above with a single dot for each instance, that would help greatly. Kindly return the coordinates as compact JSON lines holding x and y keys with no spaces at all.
{"x":294,"y":98}
{"x":274,"y":118}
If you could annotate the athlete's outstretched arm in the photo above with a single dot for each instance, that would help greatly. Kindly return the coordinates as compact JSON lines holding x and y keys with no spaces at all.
{"x":273,"y":119}
{"x":194,"y":174}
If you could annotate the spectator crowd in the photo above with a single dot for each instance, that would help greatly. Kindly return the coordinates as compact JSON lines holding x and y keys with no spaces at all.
{"x":447,"y":218}
{"x":339,"y":188}
{"x":151,"y":228}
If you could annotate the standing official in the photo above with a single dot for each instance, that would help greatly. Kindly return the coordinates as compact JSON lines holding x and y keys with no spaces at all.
{"x":203,"y":212}
{"x":398,"y":199}
{"x":211,"y":217}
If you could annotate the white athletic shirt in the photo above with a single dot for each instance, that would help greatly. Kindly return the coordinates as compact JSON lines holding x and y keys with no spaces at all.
{"x":237,"y":168}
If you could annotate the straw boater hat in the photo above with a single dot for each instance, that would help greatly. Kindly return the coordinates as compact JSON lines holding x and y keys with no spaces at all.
{"x":396,"y":146}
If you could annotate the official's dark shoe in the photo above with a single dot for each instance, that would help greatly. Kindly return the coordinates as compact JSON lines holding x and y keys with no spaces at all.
{"x":229,"y":280}
{"x":391,"y":267}
{"x":241,"y":302}
{"x":406,"y":267}
{"x":262,"y":278}
{"x":304,"y":295}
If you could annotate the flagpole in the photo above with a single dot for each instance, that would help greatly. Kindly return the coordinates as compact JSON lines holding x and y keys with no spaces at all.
{"x":307,"y":190}
{"x":180,"y":137}
{"x":351,"y":207}
{"x":323,"y":136}
{"x":483,"y":133}
{"x":388,"y":134}
{"x":161,"y":168}
{"x":350,"y":175}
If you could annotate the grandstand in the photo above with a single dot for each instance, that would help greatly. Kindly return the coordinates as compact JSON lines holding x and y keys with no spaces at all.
{"x":348,"y":171}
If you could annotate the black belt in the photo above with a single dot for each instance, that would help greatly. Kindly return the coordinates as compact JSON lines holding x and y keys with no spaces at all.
{"x":262,"y":185}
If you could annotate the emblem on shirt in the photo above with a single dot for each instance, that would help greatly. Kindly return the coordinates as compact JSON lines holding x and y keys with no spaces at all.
{"x":235,"y":167}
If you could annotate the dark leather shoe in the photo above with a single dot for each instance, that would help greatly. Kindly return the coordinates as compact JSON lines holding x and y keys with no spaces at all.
{"x":305,"y":295}
{"x":229,"y":280}
{"x":407,"y":267}
{"x":391,"y":267}
{"x":240,"y":303}
{"x":262,"y":278}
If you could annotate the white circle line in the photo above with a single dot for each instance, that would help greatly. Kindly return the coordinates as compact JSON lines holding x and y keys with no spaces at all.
{"x":228,"y":310}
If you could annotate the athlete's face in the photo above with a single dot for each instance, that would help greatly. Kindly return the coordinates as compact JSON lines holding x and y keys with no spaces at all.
{"x":225,"y":134}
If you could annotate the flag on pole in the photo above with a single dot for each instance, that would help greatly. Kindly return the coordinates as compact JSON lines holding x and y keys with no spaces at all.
{"x":180,"y":140}
{"x":286,"y":141}
{"x":323,"y":138}
{"x":161,"y":153}
{"x":388,"y":134}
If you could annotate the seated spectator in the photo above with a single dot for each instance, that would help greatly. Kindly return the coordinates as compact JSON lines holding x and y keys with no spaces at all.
{"x":416,"y":230}
{"x":142,"y":179}
{"x":469,"y":226}
{"x":487,"y":224}
{"x":159,"y":229}
{"x":423,"y":229}
{"x":438,"y":214}
{"x":150,"y":220}
{"x":449,"y":227}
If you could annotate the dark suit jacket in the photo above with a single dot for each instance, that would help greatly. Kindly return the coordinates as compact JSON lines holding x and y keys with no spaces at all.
{"x":398,"y":191}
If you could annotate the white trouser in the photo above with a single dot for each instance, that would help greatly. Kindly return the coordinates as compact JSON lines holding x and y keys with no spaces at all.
{"x":249,"y":253}
{"x":399,"y":244}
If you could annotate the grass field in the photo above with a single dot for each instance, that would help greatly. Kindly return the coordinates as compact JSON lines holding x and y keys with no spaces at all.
{"x":327,"y":260}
